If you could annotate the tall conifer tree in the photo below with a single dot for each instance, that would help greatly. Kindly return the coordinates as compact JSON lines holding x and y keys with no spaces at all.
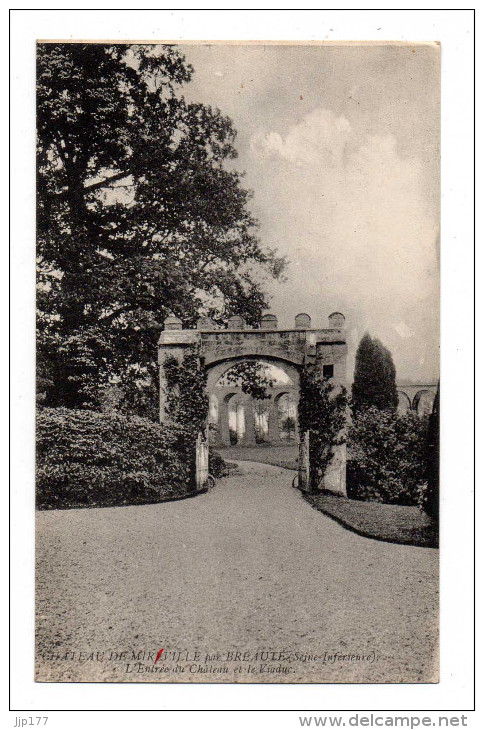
{"x":375,"y":377}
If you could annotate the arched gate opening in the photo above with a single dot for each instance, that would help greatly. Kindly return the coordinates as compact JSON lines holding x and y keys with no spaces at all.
{"x":238,"y":419}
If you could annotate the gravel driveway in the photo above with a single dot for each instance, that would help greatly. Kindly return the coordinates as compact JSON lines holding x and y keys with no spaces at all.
{"x":246,"y":583}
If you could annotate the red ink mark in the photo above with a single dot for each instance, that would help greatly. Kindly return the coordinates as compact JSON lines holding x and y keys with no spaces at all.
{"x":159,"y":654}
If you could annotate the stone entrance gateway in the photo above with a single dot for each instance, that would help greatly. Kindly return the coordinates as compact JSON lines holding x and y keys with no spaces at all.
{"x":235,"y":417}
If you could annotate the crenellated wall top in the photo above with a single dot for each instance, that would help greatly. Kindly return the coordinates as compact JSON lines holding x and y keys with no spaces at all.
{"x":238,"y":340}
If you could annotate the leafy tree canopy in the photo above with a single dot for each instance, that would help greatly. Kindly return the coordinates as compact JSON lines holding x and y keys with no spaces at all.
{"x":374,"y":383}
{"x":138,"y":214}
{"x":252,"y":377}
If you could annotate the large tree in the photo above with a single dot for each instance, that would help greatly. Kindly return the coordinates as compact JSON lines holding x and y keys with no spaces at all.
{"x":374,"y":382}
{"x":138,"y":215}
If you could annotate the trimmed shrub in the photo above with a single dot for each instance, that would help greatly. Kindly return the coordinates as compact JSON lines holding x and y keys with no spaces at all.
{"x":92,"y":459}
{"x":387,"y":457}
{"x":217,"y":465}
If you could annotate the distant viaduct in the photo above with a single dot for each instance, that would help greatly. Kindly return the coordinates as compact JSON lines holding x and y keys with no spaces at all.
{"x":418,"y":397}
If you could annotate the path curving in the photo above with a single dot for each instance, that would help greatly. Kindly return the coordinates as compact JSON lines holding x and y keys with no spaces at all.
{"x":247,"y":567}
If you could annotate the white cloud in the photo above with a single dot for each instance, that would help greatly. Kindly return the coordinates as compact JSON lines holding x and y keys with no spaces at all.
{"x":403,"y":330}
{"x":321,"y":134}
{"x":353,"y":212}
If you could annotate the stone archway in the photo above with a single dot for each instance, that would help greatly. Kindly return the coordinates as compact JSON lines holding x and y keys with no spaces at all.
{"x":286,"y":405}
{"x":289,"y":350}
{"x":262,"y":413}
{"x":321,"y":349}
{"x":318,"y":350}
{"x":423,"y":402}
{"x":262,"y":418}
{"x":404,"y":404}
{"x":237,"y":419}
{"x":417,"y":397}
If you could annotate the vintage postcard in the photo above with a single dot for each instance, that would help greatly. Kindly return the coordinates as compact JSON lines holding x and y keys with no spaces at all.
{"x":237,"y":463}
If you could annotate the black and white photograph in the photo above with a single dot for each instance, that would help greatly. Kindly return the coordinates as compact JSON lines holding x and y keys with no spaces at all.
{"x":237,"y":418}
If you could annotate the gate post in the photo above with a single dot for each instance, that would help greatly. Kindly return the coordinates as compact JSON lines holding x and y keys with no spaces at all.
{"x":335,"y":478}
{"x":201,"y":462}
{"x":304,"y":469}
{"x":173,"y":342}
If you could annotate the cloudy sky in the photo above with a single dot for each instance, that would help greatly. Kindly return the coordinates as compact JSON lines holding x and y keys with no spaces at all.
{"x":340,"y":145}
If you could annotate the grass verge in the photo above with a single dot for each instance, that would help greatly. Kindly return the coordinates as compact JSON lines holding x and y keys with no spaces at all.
{"x":387,"y":522}
{"x":283,"y":456}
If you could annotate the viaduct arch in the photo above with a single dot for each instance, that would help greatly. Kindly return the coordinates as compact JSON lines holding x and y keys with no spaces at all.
{"x":241,"y":420}
{"x":417,"y":397}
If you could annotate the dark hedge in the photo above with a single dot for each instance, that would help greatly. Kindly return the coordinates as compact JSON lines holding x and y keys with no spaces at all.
{"x":387,"y":457}
{"x":92,"y":459}
{"x":217,"y":465}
